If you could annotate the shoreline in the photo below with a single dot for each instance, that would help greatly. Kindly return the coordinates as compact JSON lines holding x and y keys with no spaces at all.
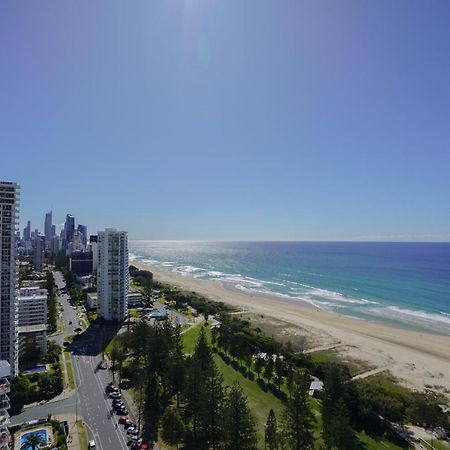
{"x":420,"y":359}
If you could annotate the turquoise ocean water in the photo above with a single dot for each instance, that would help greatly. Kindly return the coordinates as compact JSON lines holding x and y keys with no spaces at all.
{"x":405,"y":284}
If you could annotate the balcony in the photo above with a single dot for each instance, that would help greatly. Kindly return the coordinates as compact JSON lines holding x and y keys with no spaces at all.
{"x":4,"y":419}
{"x":4,"y":403}
{"x":5,"y":437}
{"x":4,"y":386}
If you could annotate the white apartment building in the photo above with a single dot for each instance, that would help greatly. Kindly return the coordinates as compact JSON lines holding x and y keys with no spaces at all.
{"x":5,"y":373}
{"x":9,"y":216}
{"x":112,"y":275}
{"x":32,"y":306}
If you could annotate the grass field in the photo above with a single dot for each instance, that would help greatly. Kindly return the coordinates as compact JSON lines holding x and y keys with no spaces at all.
{"x":261,"y":402}
{"x":82,"y":435}
{"x":69,"y":369}
{"x":191,"y":336}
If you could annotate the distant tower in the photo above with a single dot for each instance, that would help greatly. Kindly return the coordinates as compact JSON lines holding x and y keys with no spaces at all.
{"x":112,"y":275}
{"x":27,"y":232}
{"x":39,"y":246}
{"x":48,"y":228}
{"x":69,"y":227}
{"x":83,"y":230}
{"x":9,"y":216}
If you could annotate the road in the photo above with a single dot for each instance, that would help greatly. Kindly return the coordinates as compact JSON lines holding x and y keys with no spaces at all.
{"x":91,"y":403}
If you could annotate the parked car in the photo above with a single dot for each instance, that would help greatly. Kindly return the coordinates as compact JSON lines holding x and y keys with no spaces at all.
{"x":91,"y":445}
{"x":123,"y":420}
{"x":128,"y":424}
{"x":132,"y":431}
{"x":114,"y":395}
{"x":122,"y":412}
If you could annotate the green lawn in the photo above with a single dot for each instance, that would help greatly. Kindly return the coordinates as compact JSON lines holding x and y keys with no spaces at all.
{"x":261,"y":402}
{"x":69,"y":369}
{"x":135,"y":314}
{"x":372,"y":444}
{"x":440,"y":445}
{"x":82,"y":435}
{"x":190,"y":337}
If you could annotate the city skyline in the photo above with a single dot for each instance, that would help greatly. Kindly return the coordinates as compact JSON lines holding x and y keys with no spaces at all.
{"x":213,"y":120}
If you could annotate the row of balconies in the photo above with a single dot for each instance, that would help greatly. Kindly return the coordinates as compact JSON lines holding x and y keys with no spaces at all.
{"x":4,"y":402}
{"x":5,"y":438}
{"x":4,"y":419}
{"x":4,"y":386}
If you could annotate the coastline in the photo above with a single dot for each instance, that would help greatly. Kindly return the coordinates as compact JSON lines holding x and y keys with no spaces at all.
{"x":420,"y":359}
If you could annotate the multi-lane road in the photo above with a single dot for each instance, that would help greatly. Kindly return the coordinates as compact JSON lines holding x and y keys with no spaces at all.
{"x":89,"y":402}
{"x":92,"y":404}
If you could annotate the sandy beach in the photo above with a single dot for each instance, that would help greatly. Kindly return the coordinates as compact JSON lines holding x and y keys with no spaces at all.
{"x":419,"y":359}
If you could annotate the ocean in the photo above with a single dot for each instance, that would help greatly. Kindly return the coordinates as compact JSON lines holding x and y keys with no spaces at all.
{"x":403,"y":284}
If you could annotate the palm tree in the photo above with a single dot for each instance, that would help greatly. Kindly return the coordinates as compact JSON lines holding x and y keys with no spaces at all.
{"x":33,"y":441}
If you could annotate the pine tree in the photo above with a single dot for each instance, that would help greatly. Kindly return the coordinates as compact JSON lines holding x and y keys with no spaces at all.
{"x":268,"y":370}
{"x":172,"y":427}
{"x":337,"y":430}
{"x":298,"y":418}
{"x":202,"y":353}
{"x":215,"y":397}
{"x":239,"y":424}
{"x":271,"y":432}
{"x":152,"y":409}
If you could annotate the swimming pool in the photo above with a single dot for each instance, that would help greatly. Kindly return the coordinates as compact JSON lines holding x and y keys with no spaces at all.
{"x":41,"y":433}
{"x":37,"y":369}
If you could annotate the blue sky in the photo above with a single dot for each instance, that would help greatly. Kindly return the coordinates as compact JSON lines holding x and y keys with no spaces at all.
{"x":214,"y":119}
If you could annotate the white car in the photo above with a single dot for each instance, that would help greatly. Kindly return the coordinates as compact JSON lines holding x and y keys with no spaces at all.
{"x":92,"y":444}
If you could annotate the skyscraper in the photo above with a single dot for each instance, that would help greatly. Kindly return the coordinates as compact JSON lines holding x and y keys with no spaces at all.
{"x":9,"y":216}
{"x":69,"y":227}
{"x":39,"y":245}
{"x":48,"y":228}
{"x":83,"y":230}
{"x":112,"y":275}
{"x":27,"y":232}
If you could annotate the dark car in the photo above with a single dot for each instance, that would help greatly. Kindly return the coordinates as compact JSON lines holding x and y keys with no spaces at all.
{"x":78,"y":330}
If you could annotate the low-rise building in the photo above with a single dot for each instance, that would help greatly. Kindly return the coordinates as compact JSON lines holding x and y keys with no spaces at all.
{"x":134,"y":299}
{"x":91,"y":300}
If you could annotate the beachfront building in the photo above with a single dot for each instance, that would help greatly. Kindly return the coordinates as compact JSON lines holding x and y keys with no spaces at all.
{"x":9,"y":211}
{"x":112,"y":275}
{"x":5,"y":373}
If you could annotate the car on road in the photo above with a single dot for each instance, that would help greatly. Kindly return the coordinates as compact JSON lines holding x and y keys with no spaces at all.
{"x":91,"y":445}
{"x":78,"y":330}
{"x":70,"y":323}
